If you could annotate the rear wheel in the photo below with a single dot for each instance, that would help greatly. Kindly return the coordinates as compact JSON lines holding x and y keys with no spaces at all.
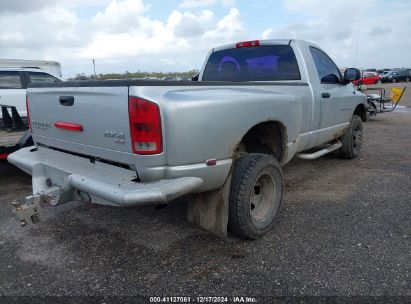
{"x":352,"y":139}
{"x":407,"y":79}
{"x":255,"y":195}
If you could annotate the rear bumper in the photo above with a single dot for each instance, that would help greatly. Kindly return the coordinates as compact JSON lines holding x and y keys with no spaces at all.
{"x":112,"y":184}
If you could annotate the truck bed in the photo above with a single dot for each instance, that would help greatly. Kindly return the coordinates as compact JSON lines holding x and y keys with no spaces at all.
{"x":100,"y":118}
{"x":162,"y":83}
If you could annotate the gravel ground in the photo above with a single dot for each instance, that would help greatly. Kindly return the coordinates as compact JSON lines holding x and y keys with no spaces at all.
{"x":344,"y":230}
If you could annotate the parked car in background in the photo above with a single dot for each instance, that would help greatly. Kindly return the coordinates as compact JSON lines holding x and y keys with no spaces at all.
{"x":168,"y":78}
{"x":368,"y":78}
{"x":396,"y":76}
{"x":14,"y":81}
{"x":15,"y":76}
{"x":383,"y":73}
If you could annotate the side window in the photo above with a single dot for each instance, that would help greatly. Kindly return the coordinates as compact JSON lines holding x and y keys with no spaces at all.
{"x":326,"y":68}
{"x":41,"y":78}
{"x":10,"y":80}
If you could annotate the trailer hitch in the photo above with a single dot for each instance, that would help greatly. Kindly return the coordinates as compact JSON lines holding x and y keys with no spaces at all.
{"x":28,"y":208}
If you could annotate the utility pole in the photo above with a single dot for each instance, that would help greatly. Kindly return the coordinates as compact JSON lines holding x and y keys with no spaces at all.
{"x":356,"y":51}
{"x":94,"y":66}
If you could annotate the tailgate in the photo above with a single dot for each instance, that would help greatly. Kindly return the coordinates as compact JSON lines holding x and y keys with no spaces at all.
{"x":99,"y":116}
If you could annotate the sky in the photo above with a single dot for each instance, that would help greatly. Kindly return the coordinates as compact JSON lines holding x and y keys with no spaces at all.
{"x":176,"y":35}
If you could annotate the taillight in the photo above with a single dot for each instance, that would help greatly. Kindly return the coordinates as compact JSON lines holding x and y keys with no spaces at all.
{"x":28,"y":113}
{"x":247,"y":44}
{"x":145,"y":126}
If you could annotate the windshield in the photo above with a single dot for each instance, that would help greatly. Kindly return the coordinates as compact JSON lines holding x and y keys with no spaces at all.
{"x":262,"y":63}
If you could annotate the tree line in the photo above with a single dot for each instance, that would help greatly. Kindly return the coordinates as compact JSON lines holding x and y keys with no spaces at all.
{"x":138,"y":74}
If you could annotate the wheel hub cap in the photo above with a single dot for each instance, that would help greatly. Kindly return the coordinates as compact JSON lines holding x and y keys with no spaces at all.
{"x":262,"y":197}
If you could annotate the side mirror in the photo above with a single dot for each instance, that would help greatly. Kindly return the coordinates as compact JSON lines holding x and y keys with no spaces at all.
{"x":195,"y":77}
{"x":351,"y":74}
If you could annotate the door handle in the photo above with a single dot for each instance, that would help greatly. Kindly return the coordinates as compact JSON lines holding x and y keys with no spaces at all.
{"x":325,"y":95}
{"x":66,"y":100}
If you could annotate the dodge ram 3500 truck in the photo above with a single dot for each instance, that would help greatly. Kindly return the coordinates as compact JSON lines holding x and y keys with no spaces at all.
{"x":223,"y":138}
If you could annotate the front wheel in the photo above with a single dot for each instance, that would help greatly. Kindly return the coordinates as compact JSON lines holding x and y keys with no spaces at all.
{"x":407,"y":79}
{"x":352,"y":139}
{"x":394,"y":80}
{"x":255,"y":196}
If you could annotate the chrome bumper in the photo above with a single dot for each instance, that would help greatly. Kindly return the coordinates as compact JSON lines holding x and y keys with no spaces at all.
{"x":112,"y":184}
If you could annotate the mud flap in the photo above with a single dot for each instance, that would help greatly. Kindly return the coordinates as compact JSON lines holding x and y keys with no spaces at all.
{"x":209,"y":210}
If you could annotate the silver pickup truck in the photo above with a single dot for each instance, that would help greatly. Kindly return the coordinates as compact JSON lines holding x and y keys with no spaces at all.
{"x":255,"y":105}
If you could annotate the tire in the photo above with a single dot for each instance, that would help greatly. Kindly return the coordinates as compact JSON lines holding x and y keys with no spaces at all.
{"x":255,"y":195}
{"x":352,"y":139}
{"x":407,"y":79}
{"x":393,"y":80}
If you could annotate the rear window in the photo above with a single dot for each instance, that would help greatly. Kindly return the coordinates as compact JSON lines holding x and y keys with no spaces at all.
{"x":10,"y":80}
{"x":261,"y":63}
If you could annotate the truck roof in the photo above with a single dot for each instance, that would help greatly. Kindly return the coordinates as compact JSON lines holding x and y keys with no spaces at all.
{"x":28,"y":69}
{"x":260,"y":41}
{"x":17,"y":69}
{"x":52,"y":67}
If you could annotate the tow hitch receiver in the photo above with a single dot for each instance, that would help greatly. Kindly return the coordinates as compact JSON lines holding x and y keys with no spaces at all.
{"x":28,"y":211}
{"x":28,"y":208}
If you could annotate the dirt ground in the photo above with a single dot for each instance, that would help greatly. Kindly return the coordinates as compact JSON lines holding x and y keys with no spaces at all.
{"x":344,"y":231}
